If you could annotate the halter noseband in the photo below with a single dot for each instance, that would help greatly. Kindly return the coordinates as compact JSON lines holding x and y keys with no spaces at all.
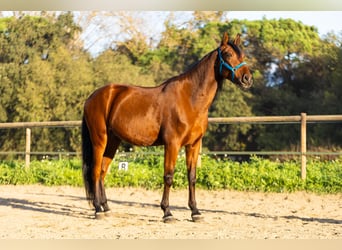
{"x":227,"y":66}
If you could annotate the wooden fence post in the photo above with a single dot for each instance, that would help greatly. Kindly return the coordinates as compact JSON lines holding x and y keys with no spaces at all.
{"x":28,"y":148}
{"x":303,"y":144}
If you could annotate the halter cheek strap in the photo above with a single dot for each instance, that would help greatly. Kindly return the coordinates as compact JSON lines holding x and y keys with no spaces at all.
{"x":227,"y":66}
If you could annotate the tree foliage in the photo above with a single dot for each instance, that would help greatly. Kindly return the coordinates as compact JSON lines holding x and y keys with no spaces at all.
{"x":39,"y":70}
{"x":46,"y":74}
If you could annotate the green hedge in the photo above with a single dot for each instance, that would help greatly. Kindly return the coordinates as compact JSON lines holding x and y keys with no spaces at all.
{"x":256,"y":175}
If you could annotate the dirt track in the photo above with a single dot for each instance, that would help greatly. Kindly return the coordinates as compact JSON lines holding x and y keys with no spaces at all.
{"x":40,"y":212}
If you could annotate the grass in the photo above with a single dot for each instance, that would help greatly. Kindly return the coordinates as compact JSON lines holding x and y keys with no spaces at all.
{"x":258,"y":174}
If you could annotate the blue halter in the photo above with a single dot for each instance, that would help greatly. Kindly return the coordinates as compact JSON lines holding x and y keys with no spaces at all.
{"x":227,"y":66}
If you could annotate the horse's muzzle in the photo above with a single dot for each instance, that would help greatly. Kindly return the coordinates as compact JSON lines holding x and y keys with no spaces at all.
{"x":246,"y":81}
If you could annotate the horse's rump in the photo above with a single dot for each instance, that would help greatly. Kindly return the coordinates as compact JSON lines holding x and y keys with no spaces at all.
{"x":131,"y":113}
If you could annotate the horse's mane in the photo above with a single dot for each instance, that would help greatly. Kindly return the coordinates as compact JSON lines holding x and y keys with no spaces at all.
{"x":197,"y":73}
{"x":194,"y":72}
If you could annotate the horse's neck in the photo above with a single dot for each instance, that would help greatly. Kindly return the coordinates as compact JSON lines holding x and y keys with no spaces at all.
{"x":203,"y":82}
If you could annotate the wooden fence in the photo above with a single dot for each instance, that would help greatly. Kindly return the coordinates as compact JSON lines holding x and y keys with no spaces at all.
{"x":301,"y":119}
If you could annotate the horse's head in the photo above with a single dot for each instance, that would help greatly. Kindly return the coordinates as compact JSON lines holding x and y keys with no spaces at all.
{"x":231,"y":64}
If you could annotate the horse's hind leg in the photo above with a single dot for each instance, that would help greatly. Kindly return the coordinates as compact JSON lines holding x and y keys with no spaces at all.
{"x":96,"y":176}
{"x":112,"y":145}
{"x":101,"y":161}
{"x":103,"y":198}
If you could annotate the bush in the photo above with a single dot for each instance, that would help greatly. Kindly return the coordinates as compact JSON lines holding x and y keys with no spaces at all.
{"x":147,"y":172}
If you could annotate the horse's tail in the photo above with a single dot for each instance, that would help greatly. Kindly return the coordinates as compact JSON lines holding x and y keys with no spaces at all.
{"x":87,"y":162}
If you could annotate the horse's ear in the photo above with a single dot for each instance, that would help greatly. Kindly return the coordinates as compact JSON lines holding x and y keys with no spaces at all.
{"x":225,"y":39}
{"x":237,"y":40}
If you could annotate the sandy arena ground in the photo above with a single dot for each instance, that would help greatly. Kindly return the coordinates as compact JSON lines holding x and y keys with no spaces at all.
{"x":39,"y":212}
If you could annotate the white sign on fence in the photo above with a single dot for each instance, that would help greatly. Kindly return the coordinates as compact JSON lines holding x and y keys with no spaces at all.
{"x":123,"y":165}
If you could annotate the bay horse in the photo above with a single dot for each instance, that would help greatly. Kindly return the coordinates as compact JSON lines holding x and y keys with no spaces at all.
{"x":173,"y":114}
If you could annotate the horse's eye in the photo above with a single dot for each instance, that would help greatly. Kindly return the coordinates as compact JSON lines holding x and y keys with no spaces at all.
{"x":229,"y":55}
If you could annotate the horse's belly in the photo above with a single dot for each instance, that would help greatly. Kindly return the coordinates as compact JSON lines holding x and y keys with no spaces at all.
{"x":137,"y":134}
{"x":138,"y":129}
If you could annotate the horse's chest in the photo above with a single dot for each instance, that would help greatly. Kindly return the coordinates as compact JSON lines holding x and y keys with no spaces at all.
{"x":195,"y":131}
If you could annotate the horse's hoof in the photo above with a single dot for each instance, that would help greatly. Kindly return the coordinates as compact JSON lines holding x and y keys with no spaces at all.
{"x":100,"y":215}
{"x":169,"y":219}
{"x":197,"y":217}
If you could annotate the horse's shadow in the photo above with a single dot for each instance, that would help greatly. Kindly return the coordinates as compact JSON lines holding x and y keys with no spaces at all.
{"x":246,"y":214}
{"x":86,"y":212}
{"x":46,"y":207}
{"x":288,"y":217}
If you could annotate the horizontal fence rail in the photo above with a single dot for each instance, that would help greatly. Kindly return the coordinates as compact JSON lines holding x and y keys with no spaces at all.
{"x":301,"y":119}
{"x":55,"y":124}
{"x":222,"y":120}
{"x":276,"y":119}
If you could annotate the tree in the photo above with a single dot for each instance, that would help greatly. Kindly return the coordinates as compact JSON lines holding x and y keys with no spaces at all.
{"x":293,"y":74}
{"x":115,"y":67}
{"x":40,"y":69}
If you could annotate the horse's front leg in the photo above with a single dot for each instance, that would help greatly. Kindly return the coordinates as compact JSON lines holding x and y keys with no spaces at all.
{"x":192,"y":152}
{"x":170,"y":157}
